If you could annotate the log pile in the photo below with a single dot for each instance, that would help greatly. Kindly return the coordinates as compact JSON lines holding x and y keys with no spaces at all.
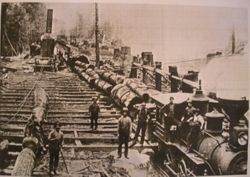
{"x":124,"y":92}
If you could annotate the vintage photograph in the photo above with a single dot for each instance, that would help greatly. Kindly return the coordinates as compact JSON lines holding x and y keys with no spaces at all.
{"x":95,"y":89}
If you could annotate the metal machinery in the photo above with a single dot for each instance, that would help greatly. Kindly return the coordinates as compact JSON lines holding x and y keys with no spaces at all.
{"x":219,"y":149}
{"x":46,"y":61}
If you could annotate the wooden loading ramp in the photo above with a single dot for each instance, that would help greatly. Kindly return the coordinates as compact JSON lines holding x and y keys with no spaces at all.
{"x":69,"y":99}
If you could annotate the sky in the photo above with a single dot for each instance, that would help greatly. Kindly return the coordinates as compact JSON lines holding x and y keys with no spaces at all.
{"x":171,"y":32}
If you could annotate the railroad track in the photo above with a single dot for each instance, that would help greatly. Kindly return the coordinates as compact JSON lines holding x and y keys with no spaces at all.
{"x":69,"y":99}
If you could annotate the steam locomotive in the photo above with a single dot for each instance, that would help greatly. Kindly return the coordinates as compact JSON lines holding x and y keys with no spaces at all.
{"x":219,"y":149}
{"x":51,"y":55}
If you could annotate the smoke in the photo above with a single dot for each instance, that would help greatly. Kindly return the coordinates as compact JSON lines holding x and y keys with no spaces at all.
{"x":227,"y":77}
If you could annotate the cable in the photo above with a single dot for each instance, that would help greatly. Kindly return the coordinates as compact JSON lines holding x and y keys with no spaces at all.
{"x":24,"y":100}
{"x":184,"y":61}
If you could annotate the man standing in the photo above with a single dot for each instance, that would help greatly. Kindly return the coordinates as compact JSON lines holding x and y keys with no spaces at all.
{"x":94,"y":110}
{"x":35,"y":129}
{"x":187,"y":117}
{"x":189,"y":114}
{"x":142,"y":124}
{"x":124,"y":128}
{"x":196,"y":125}
{"x":55,"y":139}
{"x":168,"y":109}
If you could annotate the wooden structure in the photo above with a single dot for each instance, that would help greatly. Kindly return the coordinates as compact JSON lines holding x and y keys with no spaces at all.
{"x":160,"y":77}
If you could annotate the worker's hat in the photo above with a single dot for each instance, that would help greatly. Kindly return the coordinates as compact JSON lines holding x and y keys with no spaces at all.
{"x":57,"y":125}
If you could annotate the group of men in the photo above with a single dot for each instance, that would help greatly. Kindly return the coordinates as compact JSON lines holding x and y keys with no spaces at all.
{"x":125,"y":128}
{"x":191,"y":122}
{"x":192,"y":115}
{"x":124,"y":125}
{"x":55,"y":140}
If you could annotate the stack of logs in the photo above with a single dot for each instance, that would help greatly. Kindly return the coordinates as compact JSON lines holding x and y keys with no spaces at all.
{"x":124,"y":92}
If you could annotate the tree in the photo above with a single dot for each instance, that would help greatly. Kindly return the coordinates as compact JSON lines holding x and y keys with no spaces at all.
{"x":24,"y":24}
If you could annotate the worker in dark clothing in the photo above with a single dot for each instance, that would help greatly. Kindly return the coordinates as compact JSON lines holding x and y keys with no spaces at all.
{"x":167,"y":112}
{"x":35,"y":129}
{"x":196,"y":125}
{"x":29,"y":127}
{"x":124,"y":129}
{"x":143,"y":117}
{"x":189,"y":111}
{"x":187,"y":117}
{"x":94,"y":110}
{"x":55,"y":140}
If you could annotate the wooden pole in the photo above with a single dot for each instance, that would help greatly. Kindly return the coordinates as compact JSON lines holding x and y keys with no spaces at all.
{"x":64,"y":162}
{"x":3,"y":18}
{"x":233,"y":42}
{"x":174,"y":83}
{"x":158,"y":65}
{"x":97,"y":36}
{"x":144,"y":75}
{"x":10,"y":42}
{"x":133,"y":73}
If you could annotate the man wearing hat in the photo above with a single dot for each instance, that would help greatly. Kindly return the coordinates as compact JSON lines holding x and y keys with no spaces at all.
{"x":143,"y":117}
{"x":196,"y":125}
{"x":169,"y":110}
{"x":124,"y":129}
{"x":94,"y":110}
{"x":55,"y":139}
{"x":34,"y":128}
{"x":188,"y":116}
{"x":189,"y":111}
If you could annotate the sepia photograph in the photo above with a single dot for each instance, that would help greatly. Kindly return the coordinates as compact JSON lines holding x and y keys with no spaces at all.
{"x":124,"y":89}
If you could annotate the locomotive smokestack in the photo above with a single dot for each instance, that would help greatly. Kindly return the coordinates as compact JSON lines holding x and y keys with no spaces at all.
{"x":235,"y":109}
{"x":49,"y":21}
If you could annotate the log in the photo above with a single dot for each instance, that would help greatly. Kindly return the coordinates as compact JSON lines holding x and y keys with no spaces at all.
{"x":39,"y":114}
{"x":41,"y":102}
{"x":40,"y":97}
{"x":25,"y":163}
